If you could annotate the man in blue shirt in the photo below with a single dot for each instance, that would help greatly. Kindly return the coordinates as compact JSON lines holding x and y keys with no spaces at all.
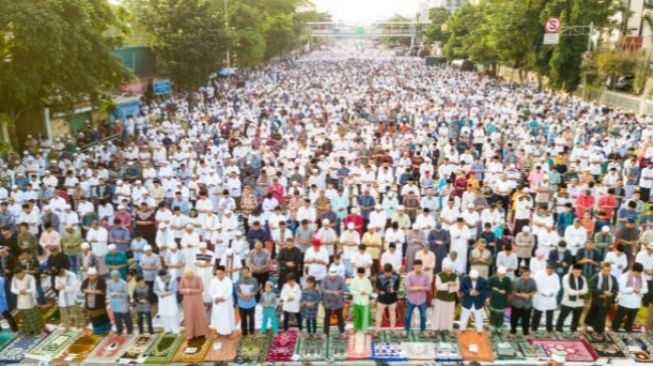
{"x":246,"y":290}
{"x":118,"y":295}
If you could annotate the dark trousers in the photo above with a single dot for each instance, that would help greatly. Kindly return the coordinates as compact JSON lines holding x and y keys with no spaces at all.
{"x":517,"y":316}
{"x":564,"y":313}
{"x":123,"y":320}
{"x":246,"y":321}
{"x":327,"y":320}
{"x":537,"y":316}
{"x":286,"y":320}
{"x":152,"y":297}
{"x":311,"y":325}
{"x":624,"y":313}
{"x":496,"y":318}
{"x":644,"y":194}
{"x":262,"y":279}
{"x":596,"y":318}
{"x":145,"y":316}
{"x":10,"y":319}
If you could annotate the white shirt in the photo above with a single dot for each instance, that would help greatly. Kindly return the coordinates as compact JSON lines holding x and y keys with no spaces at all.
{"x":628,"y":298}
{"x":362,"y":260}
{"x":288,"y":292}
{"x":393,"y":258}
{"x":98,"y":239}
{"x":575,"y":238}
{"x":316,"y":270}
{"x":647,"y":262}
{"x":548,"y":287}
{"x":618,"y":263}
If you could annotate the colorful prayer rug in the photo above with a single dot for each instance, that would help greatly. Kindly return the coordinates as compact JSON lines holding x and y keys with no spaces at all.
{"x":336,"y":346}
{"x":505,"y":350}
{"x":282,"y":347}
{"x":223,"y":348}
{"x":359,"y":346}
{"x":164,"y":349}
{"x":110,"y":349}
{"x":6,"y":336}
{"x":532,"y":350}
{"x":388,"y":352}
{"x":422,"y":351}
{"x":193,"y":350}
{"x":137,"y":349}
{"x":576,"y":351}
{"x":80,"y":349}
{"x":475,"y":346}
{"x":254,"y":349}
{"x":390,"y":336}
{"x":604,"y":345}
{"x":635,"y":345}
{"x":53,"y":345}
{"x":447,"y":350}
{"x":18,"y":347}
{"x":310,"y":349}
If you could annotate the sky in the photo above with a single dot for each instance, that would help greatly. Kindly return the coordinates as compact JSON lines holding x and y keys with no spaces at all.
{"x":366,"y":11}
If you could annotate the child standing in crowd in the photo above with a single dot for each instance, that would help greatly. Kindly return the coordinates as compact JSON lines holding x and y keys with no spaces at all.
{"x":361,"y":288}
{"x":291,"y":295}
{"x":143,"y":306}
{"x":309,"y":303}
{"x":269,"y":304}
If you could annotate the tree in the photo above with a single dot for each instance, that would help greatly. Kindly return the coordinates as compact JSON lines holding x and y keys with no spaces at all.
{"x":246,"y":23}
{"x":466,"y":28}
{"x":436,"y":31}
{"x":56,"y":52}
{"x":189,"y":40}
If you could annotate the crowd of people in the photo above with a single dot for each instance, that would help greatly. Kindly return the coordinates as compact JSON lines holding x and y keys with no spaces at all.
{"x":339,"y":184}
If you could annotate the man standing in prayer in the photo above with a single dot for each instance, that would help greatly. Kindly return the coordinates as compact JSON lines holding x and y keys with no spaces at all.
{"x":523,"y":290}
{"x":474,"y":290}
{"x":500,"y":288}
{"x":604,"y":291}
{"x":361,"y":288}
{"x":118,"y":295}
{"x":333,"y":289}
{"x":387,"y":285}
{"x":632,"y":287}
{"x":68,"y":285}
{"x":418,"y":285}
{"x":574,"y":288}
{"x":165,"y":287}
{"x":247,"y":289}
{"x":94,"y":289}
{"x":222,"y":312}
{"x":23,"y":286}
{"x":446,"y":290}
{"x":544,"y":301}
{"x":192,"y":289}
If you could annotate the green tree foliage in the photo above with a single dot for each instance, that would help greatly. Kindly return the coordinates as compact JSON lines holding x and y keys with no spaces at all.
{"x":436,"y":31}
{"x":463,"y":27}
{"x":56,"y":52}
{"x":189,"y":40}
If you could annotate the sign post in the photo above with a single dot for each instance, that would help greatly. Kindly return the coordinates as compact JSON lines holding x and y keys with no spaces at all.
{"x":552,"y":31}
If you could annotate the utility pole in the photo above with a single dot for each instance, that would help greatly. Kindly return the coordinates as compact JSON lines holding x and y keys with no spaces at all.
{"x":226,"y":29}
{"x":588,"y":49}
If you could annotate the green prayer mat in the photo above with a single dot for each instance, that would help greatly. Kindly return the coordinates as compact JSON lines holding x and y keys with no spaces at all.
{"x":386,"y":336}
{"x":310,"y":349}
{"x":532,"y":350}
{"x":254,"y":348}
{"x":336,"y":346}
{"x":164,"y":349}
{"x":505,"y":349}
{"x":53,"y":345}
{"x":6,"y":336}
{"x":429,"y":337}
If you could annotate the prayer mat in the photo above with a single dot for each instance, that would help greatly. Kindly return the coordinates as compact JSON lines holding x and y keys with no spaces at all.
{"x":18,"y":347}
{"x":635,"y":345}
{"x":422,"y":351}
{"x":310,"y":349}
{"x":428,"y":336}
{"x":400,"y":311}
{"x":53,"y":345}
{"x":79,"y":349}
{"x":164,"y":349}
{"x":447,"y":350}
{"x":6,"y":336}
{"x":475,"y":346}
{"x":346,"y":313}
{"x":604,"y":345}
{"x":110,"y":349}
{"x":254,"y":349}
{"x":223,"y":348}
{"x":193,"y":350}
{"x":390,"y":336}
{"x":532,"y":350}
{"x":505,"y":350}
{"x":282,"y":347}
{"x":336,"y":346}
{"x":575,"y":351}
{"x":388,"y":352}
{"x":137,"y":349}
{"x":359,"y":346}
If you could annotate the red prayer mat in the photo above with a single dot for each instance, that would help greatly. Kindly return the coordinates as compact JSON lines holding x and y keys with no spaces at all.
{"x":282,"y":347}
{"x":110,"y":349}
{"x":575,"y":351}
{"x":353,"y":350}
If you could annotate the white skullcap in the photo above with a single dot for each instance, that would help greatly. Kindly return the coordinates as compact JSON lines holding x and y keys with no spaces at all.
{"x":91,"y":271}
{"x":447,"y":263}
{"x":203,"y":245}
{"x":526,"y":229}
{"x":147,"y":247}
{"x":85,"y":246}
{"x":350,"y":226}
{"x":501,"y":270}
{"x":326,"y":222}
{"x":605,"y":229}
{"x":112,"y":247}
{"x":473,"y":273}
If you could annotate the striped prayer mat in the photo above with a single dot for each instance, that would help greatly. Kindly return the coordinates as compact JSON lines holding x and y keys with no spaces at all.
{"x":388,"y":352}
{"x":282,"y":347}
{"x":223,"y":348}
{"x":532,"y":350}
{"x":359,"y":346}
{"x":53,"y":345}
{"x":311,"y":349}
{"x":137,"y":349}
{"x":446,"y":349}
{"x":254,"y":348}
{"x":635,"y":345}
{"x":79,"y":349}
{"x":505,"y":350}
{"x":110,"y":349}
{"x":193,"y":350}
{"x":336,"y":346}
{"x":475,"y":346}
{"x":18,"y":347}
{"x":164,"y":349}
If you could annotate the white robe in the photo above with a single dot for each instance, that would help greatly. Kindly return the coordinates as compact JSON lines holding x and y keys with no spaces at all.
{"x":168,"y":310}
{"x":548,"y":287}
{"x":222,"y":314}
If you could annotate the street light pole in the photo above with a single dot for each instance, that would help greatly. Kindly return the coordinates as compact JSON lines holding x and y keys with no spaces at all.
{"x":226,"y":29}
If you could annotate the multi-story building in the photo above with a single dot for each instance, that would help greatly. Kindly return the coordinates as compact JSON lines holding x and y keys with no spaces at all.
{"x":451,"y":5}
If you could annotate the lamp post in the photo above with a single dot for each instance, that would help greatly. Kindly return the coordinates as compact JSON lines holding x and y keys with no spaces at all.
{"x":226,"y":29}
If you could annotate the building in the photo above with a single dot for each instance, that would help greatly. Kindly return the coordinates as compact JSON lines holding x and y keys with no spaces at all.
{"x":451,"y":5}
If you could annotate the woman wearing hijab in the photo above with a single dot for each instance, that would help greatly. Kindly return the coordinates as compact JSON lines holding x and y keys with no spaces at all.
{"x":195,"y":320}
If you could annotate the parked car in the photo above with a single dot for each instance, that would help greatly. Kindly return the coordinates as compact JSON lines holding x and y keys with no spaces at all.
{"x":463,"y":65}
{"x":624,"y":83}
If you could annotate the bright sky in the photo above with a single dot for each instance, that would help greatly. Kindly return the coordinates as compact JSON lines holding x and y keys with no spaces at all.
{"x":366,"y":11}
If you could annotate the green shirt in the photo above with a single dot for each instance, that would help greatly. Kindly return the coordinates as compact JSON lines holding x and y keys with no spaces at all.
{"x":359,"y":285}
{"x":499,"y":301}
{"x":72,"y":242}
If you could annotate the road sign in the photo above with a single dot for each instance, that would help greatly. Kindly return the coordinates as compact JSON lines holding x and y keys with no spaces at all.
{"x":552,"y":25}
{"x":551,"y":38}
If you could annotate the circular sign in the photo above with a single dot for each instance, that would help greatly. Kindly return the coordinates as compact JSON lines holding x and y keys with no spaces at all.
{"x":552,"y":25}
